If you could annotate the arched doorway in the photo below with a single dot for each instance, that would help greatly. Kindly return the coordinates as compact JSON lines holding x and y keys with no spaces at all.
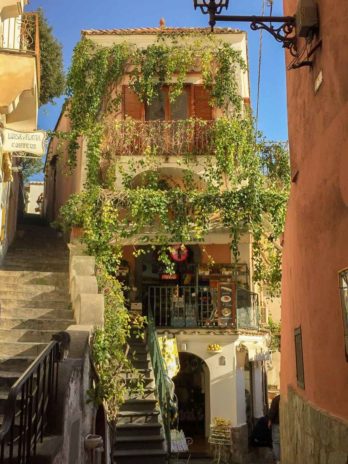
{"x":192,"y":390}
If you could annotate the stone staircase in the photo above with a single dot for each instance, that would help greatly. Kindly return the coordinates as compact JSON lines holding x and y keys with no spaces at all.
{"x":139,"y":432}
{"x":34,"y":300}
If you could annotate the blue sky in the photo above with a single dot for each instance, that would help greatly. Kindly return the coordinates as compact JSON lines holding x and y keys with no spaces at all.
{"x":68,"y":17}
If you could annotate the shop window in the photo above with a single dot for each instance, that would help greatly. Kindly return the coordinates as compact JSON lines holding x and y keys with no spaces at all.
{"x":343,"y":276}
{"x":299,"y":358}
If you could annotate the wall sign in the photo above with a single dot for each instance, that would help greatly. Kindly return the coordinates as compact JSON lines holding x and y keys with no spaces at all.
{"x":29,"y":142}
{"x":179,"y":253}
{"x":226,"y":303}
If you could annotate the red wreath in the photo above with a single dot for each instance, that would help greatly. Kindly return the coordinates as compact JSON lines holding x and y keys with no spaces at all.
{"x":179,"y":253}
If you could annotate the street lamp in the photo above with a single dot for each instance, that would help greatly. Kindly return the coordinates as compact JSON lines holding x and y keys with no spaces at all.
{"x":305,"y":21}
{"x":204,"y":5}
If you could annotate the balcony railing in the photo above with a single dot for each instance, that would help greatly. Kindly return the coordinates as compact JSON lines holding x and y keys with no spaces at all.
{"x":168,"y":138}
{"x":203,"y":306}
{"x":21,"y":34}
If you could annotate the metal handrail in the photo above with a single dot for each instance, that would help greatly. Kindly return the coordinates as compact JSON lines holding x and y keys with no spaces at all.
{"x":25,"y":417}
{"x":161,"y":378}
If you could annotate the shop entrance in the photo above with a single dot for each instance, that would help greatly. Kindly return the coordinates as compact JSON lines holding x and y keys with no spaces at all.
{"x":192,"y":390}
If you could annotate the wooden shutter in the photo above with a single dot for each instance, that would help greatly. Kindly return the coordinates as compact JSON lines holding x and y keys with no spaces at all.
{"x":132,"y":106}
{"x":202,"y":109}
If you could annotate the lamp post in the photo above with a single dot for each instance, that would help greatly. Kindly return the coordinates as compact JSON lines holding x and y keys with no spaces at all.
{"x":284,"y":33}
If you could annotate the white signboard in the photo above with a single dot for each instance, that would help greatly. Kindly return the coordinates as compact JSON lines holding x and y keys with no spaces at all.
{"x":29,"y":142}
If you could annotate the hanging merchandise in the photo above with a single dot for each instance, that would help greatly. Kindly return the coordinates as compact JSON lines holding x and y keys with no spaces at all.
{"x":169,"y":350}
{"x":7,"y":168}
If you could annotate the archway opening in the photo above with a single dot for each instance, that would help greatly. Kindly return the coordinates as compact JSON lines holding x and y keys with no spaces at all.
{"x":192,"y":390}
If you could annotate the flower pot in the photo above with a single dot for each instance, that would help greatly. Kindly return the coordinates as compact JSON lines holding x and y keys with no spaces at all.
{"x":93,"y":441}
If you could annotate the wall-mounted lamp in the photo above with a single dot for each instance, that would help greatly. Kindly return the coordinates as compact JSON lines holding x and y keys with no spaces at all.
{"x":304,"y":24}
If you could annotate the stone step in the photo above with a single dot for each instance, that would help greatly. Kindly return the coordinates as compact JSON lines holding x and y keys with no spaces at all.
{"x":16,"y":364}
{"x":139,"y":456}
{"x":23,"y":274}
{"x":36,"y":267}
{"x":138,"y":348}
{"x":36,"y":256}
{"x":3,"y":398}
{"x":8,"y":378}
{"x":141,"y":405}
{"x":33,"y":289}
{"x":13,"y":279}
{"x":148,"y":429}
{"x":23,"y":335}
{"x":143,"y":442}
{"x":138,"y":356}
{"x":9,"y":303}
{"x":36,"y":324}
{"x":141,"y":364}
{"x":147,"y":393}
{"x":40,"y":251}
{"x":145,"y":373}
{"x":9,"y":349}
{"x":34,"y":294}
{"x":36,"y":313}
{"x":137,"y":417}
{"x":17,"y":423}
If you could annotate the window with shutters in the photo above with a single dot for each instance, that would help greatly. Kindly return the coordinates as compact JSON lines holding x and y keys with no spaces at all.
{"x":156,"y":111}
{"x":194,"y":101}
{"x":132,"y":106}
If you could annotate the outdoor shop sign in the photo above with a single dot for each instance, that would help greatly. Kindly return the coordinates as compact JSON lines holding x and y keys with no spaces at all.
{"x":28,"y":142}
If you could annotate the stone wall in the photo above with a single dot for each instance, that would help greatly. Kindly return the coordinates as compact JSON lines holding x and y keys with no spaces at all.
{"x":310,"y":435}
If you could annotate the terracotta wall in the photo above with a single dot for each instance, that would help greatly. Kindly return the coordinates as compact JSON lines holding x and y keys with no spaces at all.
{"x":219,"y":253}
{"x":316,"y":233}
{"x":15,"y":191}
{"x":58,"y":190}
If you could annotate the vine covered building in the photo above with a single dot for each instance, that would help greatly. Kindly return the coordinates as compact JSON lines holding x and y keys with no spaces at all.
{"x":163,"y":135}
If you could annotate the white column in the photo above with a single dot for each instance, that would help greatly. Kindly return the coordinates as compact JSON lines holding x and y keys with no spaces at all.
{"x":240,"y":391}
{"x":258,"y":389}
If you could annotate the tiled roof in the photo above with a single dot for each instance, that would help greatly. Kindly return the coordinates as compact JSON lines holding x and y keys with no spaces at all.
{"x":158,"y":30}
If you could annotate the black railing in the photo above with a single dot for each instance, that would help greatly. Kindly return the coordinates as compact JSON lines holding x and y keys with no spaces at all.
{"x":203,"y":306}
{"x":26,"y":410}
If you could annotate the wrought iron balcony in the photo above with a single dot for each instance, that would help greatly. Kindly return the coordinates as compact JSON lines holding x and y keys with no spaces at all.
{"x":169,"y":138}
{"x":21,"y":34}
{"x":203,"y":306}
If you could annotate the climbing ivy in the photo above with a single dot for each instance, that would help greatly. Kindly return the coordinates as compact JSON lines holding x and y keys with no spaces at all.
{"x":96,"y":71}
{"x":243,"y":188}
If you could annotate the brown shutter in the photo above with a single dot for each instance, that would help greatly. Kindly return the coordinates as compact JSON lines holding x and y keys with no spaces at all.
{"x":132,"y":106}
{"x":202,"y":109}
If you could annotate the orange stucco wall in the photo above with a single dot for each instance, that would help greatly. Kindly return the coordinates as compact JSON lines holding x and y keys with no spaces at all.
{"x":61,"y":184}
{"x":316,"y":232}
{"x":219,"y":253}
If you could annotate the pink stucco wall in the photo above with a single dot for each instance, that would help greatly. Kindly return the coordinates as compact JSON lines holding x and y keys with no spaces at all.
{"x":60,"y":182}
{"x":316,"y":232}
